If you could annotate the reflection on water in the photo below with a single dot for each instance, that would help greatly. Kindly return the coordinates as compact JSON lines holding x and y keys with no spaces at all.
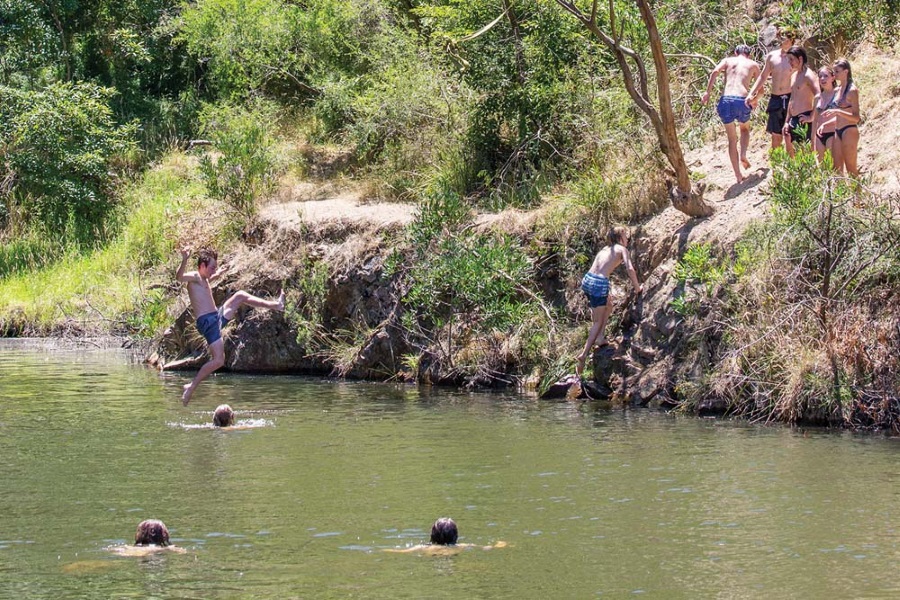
{"x":325,"y":475}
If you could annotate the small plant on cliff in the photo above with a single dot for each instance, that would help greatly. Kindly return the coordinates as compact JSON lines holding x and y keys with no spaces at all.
{"x":698,"y":272}
{"x":243,"y":168}
{"x":306,"y":300}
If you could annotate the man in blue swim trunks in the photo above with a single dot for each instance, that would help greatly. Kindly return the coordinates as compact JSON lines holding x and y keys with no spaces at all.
{"x":211,"y":320}
{"x":739,"y":71}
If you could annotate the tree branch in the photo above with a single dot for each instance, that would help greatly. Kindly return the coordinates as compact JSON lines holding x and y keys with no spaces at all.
{"x":696,"y":56}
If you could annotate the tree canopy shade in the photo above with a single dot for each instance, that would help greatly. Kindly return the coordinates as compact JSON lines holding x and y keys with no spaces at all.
{"x":685,"y":197}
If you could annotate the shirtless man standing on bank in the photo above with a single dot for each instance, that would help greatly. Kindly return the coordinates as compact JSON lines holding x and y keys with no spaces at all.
{"x":739,"y":72}
{"x":778,"y":68}
{"x":798,"y":126}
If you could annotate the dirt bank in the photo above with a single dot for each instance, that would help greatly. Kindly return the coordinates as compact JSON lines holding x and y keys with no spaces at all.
{"x":350,"y":323}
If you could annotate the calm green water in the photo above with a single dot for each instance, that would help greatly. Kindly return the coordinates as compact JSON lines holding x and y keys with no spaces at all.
{"x":592,"y":502}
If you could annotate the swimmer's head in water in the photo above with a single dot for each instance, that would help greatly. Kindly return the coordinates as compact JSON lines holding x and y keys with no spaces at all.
{"x":444,"y":532}
{"x":151,"y":532}
{"x":224,"y":416}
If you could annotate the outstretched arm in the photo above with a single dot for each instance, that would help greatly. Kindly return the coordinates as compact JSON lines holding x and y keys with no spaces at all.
{"x":757,"y":88}
{"x":712,"y":80}
{"x":180,"y":274}
{"x":632,"y":274}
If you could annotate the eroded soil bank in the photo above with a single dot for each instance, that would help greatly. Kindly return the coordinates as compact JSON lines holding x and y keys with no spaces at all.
{"x":345,"y":317}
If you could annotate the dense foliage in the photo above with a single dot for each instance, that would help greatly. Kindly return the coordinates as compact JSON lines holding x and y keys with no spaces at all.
{"x":807,"y":322}
{"x":452,"y":104}
{"x":60,"y":154}
{"x":493,"y":100}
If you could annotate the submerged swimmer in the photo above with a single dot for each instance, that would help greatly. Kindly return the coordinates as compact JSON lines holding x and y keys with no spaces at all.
{"x":444,"y":536}
{"x":223,"y":416}
{"x":151,"y":536}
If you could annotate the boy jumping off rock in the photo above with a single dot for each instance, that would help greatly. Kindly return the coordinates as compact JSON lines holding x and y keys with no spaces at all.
{"x":211,"y":320}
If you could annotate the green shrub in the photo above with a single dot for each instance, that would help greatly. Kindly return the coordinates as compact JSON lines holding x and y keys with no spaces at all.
{"x":453,"y":270}
{"x":62,"y":154}
{"x":28,"y":40}
{"x":243,"y":167}
{"x":244,"y":42}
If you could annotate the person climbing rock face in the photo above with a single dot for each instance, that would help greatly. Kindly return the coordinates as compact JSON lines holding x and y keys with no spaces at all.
{"x":595,"y":285}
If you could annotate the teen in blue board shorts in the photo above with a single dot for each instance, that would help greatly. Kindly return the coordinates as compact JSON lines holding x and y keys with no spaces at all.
{"x":733,"y":108}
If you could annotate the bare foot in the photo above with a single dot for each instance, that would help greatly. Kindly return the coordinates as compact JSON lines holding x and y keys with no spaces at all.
{"x":579,"y":365}
{"x":745,"y":163}
{"x":186,"y":395}
{"x":280,"y":301}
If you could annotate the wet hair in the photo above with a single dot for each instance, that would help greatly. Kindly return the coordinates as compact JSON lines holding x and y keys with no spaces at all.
{"x":616,"y":234}
{"x":444,"y":532}
{"x":798,"y":52}
{"x":223,"y":416}
{"x":843,"y":63}
{"x":742,"y":49}
{"x":205,"y":256}
{"x":151,"y":532}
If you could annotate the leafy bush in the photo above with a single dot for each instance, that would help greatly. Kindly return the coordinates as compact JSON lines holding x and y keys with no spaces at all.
{"x":461,"y":285}
{"x":244,"y":42}
{"x":699,"y":266}
{"x":844,"y":22}
{"x":62,"y":150}
{"x":243,"y":167}
{"x":28,"y":41}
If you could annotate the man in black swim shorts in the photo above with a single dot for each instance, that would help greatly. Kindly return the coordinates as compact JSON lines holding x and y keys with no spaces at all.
{"x":798,"y":127}
{"x":778,"y":68}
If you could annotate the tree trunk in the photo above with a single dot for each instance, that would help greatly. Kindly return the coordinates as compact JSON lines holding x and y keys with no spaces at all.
{"x":685,"y":197}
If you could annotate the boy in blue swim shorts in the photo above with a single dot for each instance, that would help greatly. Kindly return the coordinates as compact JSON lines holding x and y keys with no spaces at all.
{"x":595,"y":285}
{"x":732,"y":107}
{"x":210,"y":320}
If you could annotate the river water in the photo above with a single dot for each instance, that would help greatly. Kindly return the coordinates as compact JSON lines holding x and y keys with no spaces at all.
{"x":325,"y":476}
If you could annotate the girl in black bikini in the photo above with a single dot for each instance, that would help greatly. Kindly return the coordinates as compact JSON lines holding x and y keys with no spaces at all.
{"x":846,"y":115}
{"x":826,"y":100}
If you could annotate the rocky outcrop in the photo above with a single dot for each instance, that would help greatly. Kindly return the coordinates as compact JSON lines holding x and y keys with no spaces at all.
{"x":356,"y":296}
